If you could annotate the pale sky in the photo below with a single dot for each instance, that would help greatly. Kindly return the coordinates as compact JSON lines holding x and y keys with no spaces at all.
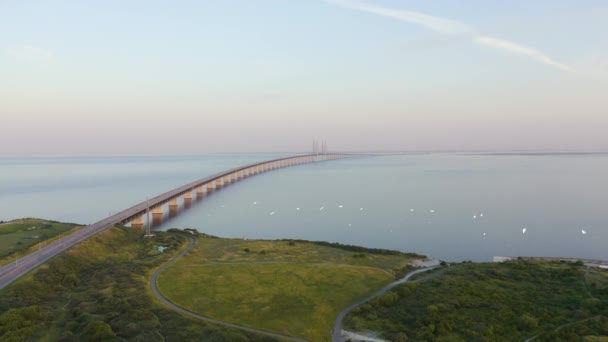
{"x":186,"y":77}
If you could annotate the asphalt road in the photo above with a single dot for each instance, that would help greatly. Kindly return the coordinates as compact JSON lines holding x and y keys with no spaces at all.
{"x":21,"y":266}
{"x":337,"y":336}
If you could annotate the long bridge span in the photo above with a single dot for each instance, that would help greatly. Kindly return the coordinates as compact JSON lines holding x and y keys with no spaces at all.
{"x":135,"y":214}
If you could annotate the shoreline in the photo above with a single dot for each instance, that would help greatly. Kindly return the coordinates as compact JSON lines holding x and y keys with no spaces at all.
{"x":587,"y":262}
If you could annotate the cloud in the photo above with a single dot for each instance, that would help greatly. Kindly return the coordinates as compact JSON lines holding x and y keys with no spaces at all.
{"x":430,"y":22}
{"x":521,"y":50}
{"x":31,"y":54}
{"x":451,"y":27}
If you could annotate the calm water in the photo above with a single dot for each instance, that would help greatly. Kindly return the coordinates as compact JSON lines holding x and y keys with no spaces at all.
{"x":448,"y":206}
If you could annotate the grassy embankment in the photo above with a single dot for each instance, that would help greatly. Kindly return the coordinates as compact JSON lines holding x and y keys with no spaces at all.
{"x":20,"y":237}
{"x":512,"y":301}
{"x":294,"y":288}
{"x":98,"y":291}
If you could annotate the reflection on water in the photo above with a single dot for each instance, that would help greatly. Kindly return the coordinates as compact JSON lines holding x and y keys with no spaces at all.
{"x":165,"y":218}
{"x":157,"y":219}
{"x":450,"y":207}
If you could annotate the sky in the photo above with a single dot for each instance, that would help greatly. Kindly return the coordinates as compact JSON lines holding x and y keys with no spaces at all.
{"x":189,"y":77}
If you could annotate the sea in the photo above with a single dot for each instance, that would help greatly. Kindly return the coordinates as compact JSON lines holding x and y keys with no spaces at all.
{"x":448,"y":206}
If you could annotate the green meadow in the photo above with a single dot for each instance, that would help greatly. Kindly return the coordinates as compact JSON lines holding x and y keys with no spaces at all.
{"x":99,"y":291}
{"x":294,"y":288}
{"x":20,"y":237}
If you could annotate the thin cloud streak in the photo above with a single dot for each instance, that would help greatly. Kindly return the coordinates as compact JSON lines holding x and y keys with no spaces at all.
{"x":521,"y":50}
{"x":451,"y":27}
{"x":430,"y":22}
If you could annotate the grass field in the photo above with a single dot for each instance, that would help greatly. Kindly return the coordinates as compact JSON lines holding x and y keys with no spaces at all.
{"x":99,"y":291}
{"x":292,"y":288}
{"x":512,"y":301}
{"x":19,"y":237}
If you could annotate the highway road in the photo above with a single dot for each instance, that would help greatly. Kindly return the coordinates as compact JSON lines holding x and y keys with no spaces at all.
{"x":14,"y":270}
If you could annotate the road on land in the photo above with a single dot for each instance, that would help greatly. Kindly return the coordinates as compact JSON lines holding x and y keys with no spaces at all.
{"x":337,"y":337}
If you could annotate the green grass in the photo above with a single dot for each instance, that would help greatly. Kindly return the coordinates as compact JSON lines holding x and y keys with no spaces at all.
{"x":291,"y":288}
{"x":98,"y":291}
{"x":20,"y":237}
{"x":512,"y":301}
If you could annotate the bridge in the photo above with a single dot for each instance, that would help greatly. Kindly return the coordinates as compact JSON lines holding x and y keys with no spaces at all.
{"x":136,"y":214}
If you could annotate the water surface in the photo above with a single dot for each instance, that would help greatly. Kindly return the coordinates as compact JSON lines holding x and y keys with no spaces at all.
{"x":448,"y":206}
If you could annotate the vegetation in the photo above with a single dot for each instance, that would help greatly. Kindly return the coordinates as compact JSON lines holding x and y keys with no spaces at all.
{"x":295,"y":288}
{"x":98,"y":291}
{"x":20,"y":237}
{"x":361,"y":249}
{"x":512,"y":301}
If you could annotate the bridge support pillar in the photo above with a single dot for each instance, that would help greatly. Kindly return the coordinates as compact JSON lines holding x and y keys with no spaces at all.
{"x":218,"y":183}
{"x":188,"y":195}
{"x":210,"y":187}
{"x":200,"y":191}
{"x":138,"y":222}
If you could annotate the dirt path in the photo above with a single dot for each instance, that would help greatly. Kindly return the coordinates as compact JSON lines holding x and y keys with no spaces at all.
{"x":159,"y":295}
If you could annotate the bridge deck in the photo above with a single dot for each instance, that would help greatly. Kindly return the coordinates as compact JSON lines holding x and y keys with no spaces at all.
{"x":13,"y":271}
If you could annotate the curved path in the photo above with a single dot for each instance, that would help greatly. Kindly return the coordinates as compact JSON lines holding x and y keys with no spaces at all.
{"x":13,"y":271}
{"x":166,"y":301}
{"x":337,"y":337}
